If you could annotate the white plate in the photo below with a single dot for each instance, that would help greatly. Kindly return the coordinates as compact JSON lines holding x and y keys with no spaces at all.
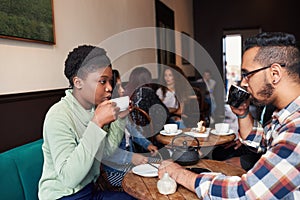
{"x":146,"y":170}
{"x":163,"y":132}
{"x":216,"y":133}
{"x":197,"y":134}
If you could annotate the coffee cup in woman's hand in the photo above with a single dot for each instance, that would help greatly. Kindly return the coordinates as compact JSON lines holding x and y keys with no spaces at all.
{"x":122,"y":102}
{"x":237,"y":95}
{"x":105,"y":113}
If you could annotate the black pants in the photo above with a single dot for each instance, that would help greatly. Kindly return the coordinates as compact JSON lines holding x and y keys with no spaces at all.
{"x":89,"y":192}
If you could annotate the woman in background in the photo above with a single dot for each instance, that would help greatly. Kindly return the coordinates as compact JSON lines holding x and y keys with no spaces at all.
{"x":173,"y":93}
{"x":142,"y":96}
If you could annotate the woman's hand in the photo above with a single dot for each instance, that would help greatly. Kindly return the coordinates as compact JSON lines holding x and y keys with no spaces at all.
{"x":124,"y":113}
{"x":105,"y":113}
{"x":138,"y":159}
{"x":153,"y":149}
{"x":173,"y":110}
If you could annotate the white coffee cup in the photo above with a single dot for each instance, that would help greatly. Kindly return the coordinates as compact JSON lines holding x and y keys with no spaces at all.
{"x":171,"y":128}
{"x":222,"y":127}
{"x":122,"y":102}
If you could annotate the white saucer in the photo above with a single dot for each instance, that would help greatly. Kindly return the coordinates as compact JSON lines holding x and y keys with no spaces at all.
{"x":197,"y":134}
{"x":226,"y":133}
{"x":146,"y":170}
{"x":163,"y":132}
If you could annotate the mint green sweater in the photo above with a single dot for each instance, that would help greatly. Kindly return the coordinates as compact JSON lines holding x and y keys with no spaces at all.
{"x":73,"y":148}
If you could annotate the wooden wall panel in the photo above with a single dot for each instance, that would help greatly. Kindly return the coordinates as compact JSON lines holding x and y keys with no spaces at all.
{"x":22,"y":116}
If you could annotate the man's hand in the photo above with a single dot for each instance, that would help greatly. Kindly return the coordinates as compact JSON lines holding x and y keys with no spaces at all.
{"x":178,"y":173}
{"x":173,"y":169}
{"x":242,"y":110}
{"x":245,"y":119}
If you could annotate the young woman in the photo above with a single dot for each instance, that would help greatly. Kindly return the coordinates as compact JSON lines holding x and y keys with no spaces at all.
{"x":172,"y":92}
{"x":80,"y":129}
{"x":143,"y":96}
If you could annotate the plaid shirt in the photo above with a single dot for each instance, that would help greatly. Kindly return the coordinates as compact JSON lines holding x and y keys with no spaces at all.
{"x":276,"y":175}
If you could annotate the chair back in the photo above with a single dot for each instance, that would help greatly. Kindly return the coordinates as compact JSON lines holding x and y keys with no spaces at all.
{"x":145,"y":120}
{"x":197,"y":108}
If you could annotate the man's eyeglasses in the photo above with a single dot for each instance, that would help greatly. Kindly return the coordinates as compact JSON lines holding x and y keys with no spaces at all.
{"x":246,"y":75}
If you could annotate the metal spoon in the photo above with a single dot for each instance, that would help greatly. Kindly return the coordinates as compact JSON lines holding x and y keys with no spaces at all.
{"x":152,"y":165}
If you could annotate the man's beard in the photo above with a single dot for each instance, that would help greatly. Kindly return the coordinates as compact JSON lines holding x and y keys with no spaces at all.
{"x":266,"y":92}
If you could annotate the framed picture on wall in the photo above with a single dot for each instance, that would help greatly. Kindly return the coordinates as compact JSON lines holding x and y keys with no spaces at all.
{"x":185,"y":48}
{"x":29,"y":20}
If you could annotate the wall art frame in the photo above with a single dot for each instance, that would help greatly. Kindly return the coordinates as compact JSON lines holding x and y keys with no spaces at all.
{"x":31,"y":21}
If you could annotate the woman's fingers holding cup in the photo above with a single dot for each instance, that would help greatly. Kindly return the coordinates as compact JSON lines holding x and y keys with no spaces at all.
{"x":105,"y":113}
{"x":124,"y":113}
{"x":122,"y":102}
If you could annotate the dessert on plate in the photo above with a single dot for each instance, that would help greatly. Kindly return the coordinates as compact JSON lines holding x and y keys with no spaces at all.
{"x":200,"y":128}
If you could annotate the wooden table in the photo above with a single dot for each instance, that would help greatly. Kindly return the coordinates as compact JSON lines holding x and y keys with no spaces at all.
{"x":146,"y":188}
{"x":211,"y":140}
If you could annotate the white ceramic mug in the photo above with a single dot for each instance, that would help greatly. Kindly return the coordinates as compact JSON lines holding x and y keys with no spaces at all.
{"x":171,"y":128}
{"x":122,"y":102}
{"x":222,"y":127}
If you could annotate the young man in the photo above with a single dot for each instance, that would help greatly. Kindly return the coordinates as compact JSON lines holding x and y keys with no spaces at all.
{"x":270,"y":72}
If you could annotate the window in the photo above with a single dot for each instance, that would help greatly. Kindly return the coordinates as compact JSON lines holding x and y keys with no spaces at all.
{"x":233,"y":41}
